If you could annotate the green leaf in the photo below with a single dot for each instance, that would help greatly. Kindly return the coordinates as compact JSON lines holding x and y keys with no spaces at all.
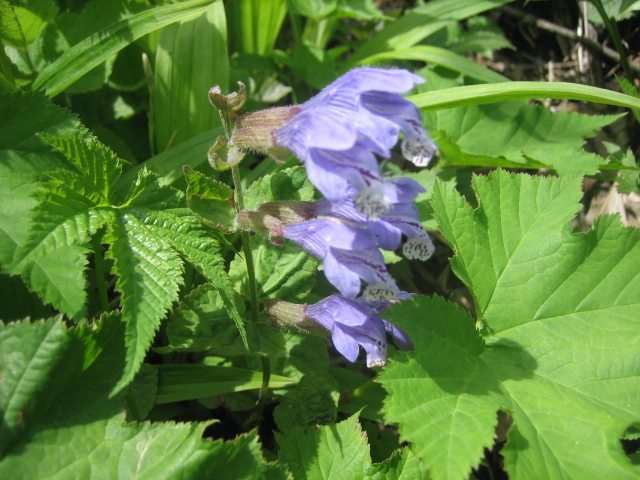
{"x":416,"y":25}
{"x":28,"y":355}
{"x":282,"y":271}
{"x":191,"y":57}
{"x":142,"y":393}
{"x":98,"y":166}
{"x":341,"y":451}
{"x":68,"y":29}
{"x":291,"y":184}
{"x":177,"y":383}
{"x":203,"y":323}
{"x":256,"y":24}
{"x":197,"y":246}
{"x":315,"y":9}
{"x":94,"y":50}
{"x":21,"y":22}
{"x":506,"y":91}
{"x":544,"y":294}
{"x":210,"y":200}
{"x":365,"y":9}
{"x":306,"y":354}
{"x":78,"y":431}
{"x":149,"y":273}
{"x":627,"y":6}
{"x":442,"y":57}
{"x":169,"y":164}
{"x":312,"y":402}
{"x":525,"y":136}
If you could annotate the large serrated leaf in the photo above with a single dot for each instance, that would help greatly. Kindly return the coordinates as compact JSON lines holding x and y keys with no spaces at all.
{"x":561,"y":317}
{"x":78,"y":431}
{"x":149,"y":272}
{"x":291,"y":184}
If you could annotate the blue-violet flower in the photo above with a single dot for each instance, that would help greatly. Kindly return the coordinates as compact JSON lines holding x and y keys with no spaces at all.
{"x":337,"y":132}
{"x":401,"y":217}
{"x":349,"y":254}
{"x":354,"y":323}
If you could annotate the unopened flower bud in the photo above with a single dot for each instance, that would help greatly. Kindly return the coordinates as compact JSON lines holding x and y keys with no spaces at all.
{"x":260,"y":222}
{"x":253,"y":131}
{"x":289,"y":212}
{"x":228,"y":103}
{"x":286,"y":315}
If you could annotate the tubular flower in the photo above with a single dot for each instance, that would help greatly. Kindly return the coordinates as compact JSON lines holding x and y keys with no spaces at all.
{"x":401,"y":217}
{"x":337,"y":132}
{"x":354,"y":323}
{"x":349,"y":254}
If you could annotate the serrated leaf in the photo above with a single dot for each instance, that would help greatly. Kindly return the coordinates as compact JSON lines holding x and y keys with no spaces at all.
{"x":211,"y":201}
{"x":98,"y":166}
{"x":341,"y":451}
{"x":149,"y":272}
{"x":523,"y":135}
{"x":569,"y":383}
{"x":202,"y":322}
{"x":306,"y":354}
{"x":79,"y":432}
{"x":312,"y":402}
{"x":199,"y":248}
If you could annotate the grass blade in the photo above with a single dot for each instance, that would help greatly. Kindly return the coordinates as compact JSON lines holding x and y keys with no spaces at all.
{"x":95,"y":49}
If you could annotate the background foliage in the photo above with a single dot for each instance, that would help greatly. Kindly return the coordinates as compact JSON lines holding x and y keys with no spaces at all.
{"x":126,"y":346}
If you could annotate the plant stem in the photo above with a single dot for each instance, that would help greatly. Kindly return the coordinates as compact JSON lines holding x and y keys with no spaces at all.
{"x":99,"y":271}
{"x":246,"y":247}
{"x":266,"y":375}
{"x":615,"y":36}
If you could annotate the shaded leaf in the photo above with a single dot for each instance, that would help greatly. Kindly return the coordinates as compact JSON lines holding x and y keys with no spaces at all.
{"x":341,"y":451}
{"x":211,"y":201}
{"x":202,"y":322}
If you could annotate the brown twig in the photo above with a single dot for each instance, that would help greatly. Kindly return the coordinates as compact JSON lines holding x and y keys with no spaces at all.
{"x":567,"y":33}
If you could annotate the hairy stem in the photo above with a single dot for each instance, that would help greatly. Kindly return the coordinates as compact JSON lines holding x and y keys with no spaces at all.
{"x":246,"y":247}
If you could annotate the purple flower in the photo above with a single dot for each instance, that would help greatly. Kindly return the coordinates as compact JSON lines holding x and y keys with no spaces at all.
{"x":337,"y":132}
{"x":354,"y":323}
{"x":401,"y":217}
{"x":349,"y":254}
